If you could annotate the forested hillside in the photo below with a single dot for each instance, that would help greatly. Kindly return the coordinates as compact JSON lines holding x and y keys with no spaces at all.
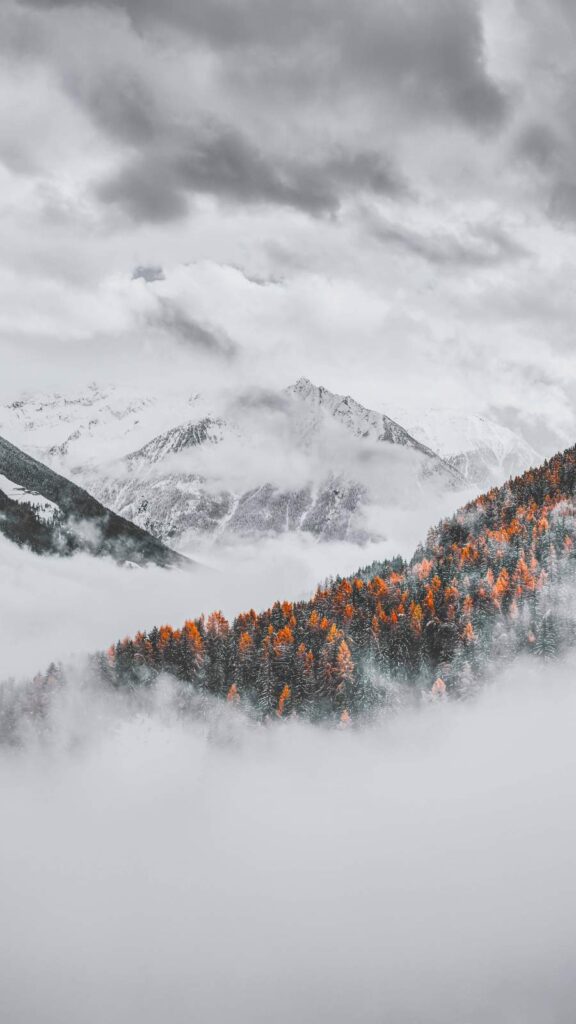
{"x":479,"y":589}
{"x":52,"y":515}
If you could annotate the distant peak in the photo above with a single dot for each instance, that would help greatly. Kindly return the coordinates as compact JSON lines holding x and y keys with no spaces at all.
{"x":304,"y":388}
{"x":303,"y":384}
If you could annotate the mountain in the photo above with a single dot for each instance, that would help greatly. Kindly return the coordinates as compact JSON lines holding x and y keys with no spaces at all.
{"x":320,"y":463}
{"x":50,"y":514}
{"x":66,"y":429}
{"x":187,"y":435}
{"x":494,"y":581}
{"x":360,"y":422}
{"x":484,"y":452}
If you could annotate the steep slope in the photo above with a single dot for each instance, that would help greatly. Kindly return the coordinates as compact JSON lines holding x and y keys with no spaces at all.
{"x":50,"y":513}
{"x":486,"y":453}
{"x":496,"y":580}
{"x":359,"y":421}
{"x":178,"y":439}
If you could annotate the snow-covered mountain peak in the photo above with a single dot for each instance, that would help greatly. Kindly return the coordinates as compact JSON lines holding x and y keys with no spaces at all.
{"x":303,"y":386}
{"x":356,"y":418}
{"x":208,"y":430}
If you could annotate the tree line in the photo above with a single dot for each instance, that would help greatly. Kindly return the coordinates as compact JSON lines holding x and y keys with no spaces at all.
{"x":481,"y":590}
{"x":481,"y":587}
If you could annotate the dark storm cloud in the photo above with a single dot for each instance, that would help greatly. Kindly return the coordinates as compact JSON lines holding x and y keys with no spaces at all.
{"x":294,"y":62}
{"x":122,"y":103}
{"x":482,"y":246}
{"x":538,"y":144}
{"x":548,"y":141}
{"x":431,"y":55}
{"x":154,"y":186}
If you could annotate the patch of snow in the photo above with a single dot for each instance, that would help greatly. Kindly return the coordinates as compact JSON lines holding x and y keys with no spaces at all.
{"x":45,"y":509}
{"x":485,"y":452}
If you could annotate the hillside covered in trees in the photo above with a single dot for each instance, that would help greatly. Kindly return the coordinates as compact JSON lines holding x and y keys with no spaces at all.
{"x":51,"y":515}
{"x":486,"y":586}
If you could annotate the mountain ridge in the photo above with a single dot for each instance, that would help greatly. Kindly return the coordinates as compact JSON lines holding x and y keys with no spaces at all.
{"x":88,"y":524}
{"x":173,"y":501}
{"x":352,"y":413}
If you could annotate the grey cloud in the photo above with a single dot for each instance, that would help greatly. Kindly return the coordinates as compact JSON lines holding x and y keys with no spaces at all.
{"x":538,"y":144}
{"x":259,"y":398}
{"x":530,"y":8}
{"x":562,"y":206}
{"x":145,"y":193}
{"x":369,"y":170}
{"x":484,"y":245}
{"x":148,"y":274}
{"x":121,"y":102}
{"x":194,"y":335}
{"x":431,"y":56}
{"x":225,"y":164}
{"x":402,"y":59}
{"x":17,"y":157}
{"x":534,"y":428}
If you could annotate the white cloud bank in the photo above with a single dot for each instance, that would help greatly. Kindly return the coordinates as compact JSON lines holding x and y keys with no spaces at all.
{"x":422,"y":870}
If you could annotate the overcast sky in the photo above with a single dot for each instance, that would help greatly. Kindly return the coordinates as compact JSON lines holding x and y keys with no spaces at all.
{"x":380,"y":196}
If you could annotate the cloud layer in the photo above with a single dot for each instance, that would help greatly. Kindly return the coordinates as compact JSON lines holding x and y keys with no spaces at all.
{"x":421,"y":870}
{"x":312,"y":183}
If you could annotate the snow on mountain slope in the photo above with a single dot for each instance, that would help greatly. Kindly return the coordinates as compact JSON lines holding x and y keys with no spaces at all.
{"x":177,"y":439}
{"x":102,"y":423}
{"x":304,"y":460}
{"x":260,"y":463}
{"x":44,"y":510}
{"x":485,"y":452}
{"x":362,"y":423}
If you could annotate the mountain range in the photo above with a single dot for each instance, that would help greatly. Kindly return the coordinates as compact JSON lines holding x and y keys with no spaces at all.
{"x":260,"y":463}
{"x":302,"y":460}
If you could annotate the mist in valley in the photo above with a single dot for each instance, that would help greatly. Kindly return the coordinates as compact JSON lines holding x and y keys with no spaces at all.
{"x":161,"y":864}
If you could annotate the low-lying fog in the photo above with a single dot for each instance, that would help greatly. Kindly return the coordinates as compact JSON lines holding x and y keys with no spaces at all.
{"x":154,"y":868}
{"x":51,"y":608}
